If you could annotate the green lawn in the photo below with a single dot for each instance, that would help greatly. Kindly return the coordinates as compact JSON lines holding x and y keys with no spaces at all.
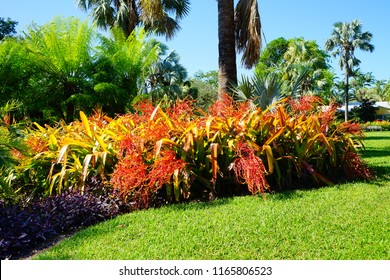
{"x":348,"y":221}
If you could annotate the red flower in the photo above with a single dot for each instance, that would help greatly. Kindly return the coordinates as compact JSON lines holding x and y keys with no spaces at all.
{"x":249,"y":169}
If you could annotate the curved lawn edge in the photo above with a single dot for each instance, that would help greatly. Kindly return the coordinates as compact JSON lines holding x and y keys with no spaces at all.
{"x":318,"y":224}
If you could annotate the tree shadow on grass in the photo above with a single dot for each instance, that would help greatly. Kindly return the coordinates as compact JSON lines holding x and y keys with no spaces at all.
{"x":372,"y":153}
{"x":381,"y":172}
{"x":287,"y":195}
{"x":200,"y":205}
{"x":376,"y":138}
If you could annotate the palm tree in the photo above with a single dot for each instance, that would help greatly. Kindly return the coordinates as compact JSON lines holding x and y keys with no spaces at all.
{"x":160,"y":16}
{"x":345,"y":39}
{"x":260,"y":91}
{"x":381,"y":90}
{"x":237,"y":28}
{"x":303,"y":59}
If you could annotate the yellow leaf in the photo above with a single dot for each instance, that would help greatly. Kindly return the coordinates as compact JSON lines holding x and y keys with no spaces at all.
{"x":154,"y":112}
{"x":86,"y":163}
{"x":53,"y":145}
{"x":176,"y":184}
{"x":189,"y":141}
{"x":85,"y":122}
{"x":101,"y":142}
{"x":63,"y":154}
{"x":276,"y":135}
{"x":208,"y":124}
{"x":270,"y":158}
{"x":164,"y":141}
{"x":213,"y":159}
{"x":158,"y":148}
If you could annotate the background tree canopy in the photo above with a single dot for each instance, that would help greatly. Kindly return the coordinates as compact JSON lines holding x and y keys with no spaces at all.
{"x":65,"y":66}
{"x":7,"y":27}
{"x":296,"y":60}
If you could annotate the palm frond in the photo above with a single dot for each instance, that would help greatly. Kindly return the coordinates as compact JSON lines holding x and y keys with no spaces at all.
{"x":248,"y":31}
{"x":262,"y":92}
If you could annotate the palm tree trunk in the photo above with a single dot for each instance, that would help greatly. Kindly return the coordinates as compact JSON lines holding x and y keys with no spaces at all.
{"x":227,"y":74}
{"x":346,"y":92}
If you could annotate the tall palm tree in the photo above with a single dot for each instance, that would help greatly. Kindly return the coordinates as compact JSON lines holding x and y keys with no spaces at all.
{"x":160,"y":16}
{"x":345,"y":39}
{"x":238,"y":28}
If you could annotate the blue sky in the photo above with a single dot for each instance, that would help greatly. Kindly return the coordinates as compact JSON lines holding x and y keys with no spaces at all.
{"x":197,"y":42}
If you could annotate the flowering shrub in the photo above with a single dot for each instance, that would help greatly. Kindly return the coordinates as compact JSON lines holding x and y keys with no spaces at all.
{"x":249,"y":169}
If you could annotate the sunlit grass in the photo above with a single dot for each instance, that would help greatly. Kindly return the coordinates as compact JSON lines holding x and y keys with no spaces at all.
{"x":348,"y":221}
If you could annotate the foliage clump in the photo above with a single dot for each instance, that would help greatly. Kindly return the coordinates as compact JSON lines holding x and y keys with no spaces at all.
{"x":169,"y":153}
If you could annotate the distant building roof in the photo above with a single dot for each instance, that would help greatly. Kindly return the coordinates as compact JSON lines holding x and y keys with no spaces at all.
{"x":385,"y":105}
{"x":351,"y":105}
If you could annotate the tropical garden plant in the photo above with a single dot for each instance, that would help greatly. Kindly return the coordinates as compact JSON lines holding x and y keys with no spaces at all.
{"x":11,"y":151}
{"x":239,"y":28}
{"x":162,"y":153}
{"x":162,"y":16}
{"x":346,"y":38}
{"x":297,"y":62}
{"x":123,"y":64}
{"x":64,"y":66}
{"x":7,"y":27}
{"x":166,"y":76}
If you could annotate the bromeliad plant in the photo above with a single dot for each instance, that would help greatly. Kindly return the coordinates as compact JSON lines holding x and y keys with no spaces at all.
{"x":313,"y":144}
{"x":67,"y":156}
{"x":169,"y":153}
{"x":234,"y":150}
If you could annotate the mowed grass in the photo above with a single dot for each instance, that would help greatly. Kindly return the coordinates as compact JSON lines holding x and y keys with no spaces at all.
{"x":348,"y":221}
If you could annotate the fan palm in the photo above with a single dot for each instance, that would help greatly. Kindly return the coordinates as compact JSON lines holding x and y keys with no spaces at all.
{"x":239,"y":28}
{"x":166,"y":76}
{"x":263,"y":91}
{"x":160,"y":16}
{"x":304,"y":60}
{"x":345,"y":39}
{"x":260,"y":91}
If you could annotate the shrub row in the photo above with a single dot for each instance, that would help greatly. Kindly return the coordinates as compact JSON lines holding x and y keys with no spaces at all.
{"x":175,"y":154}
{"x":384,"y":124}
